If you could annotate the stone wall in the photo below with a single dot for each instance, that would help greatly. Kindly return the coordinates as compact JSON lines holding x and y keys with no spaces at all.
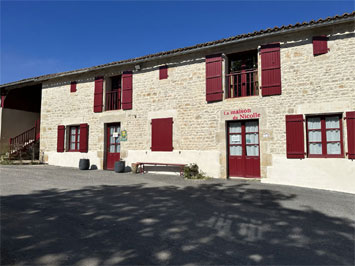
{"x":310,"y":85}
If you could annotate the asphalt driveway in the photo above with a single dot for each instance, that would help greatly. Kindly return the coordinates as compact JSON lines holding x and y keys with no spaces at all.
{"x":63,"y":216}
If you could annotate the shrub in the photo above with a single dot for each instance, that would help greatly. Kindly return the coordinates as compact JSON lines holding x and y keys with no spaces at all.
{"x":191,"y":171}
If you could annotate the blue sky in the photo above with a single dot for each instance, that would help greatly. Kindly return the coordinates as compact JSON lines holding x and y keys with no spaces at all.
{"x":42,"y":37}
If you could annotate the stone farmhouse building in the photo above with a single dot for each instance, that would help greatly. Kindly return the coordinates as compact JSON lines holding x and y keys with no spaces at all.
{"x":276,"y":104}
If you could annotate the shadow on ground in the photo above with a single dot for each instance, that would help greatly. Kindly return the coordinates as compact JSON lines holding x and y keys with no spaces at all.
{"x":137,"y":224}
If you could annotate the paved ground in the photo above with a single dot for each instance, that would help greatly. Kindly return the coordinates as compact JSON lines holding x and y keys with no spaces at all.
{"x":62,"y":216}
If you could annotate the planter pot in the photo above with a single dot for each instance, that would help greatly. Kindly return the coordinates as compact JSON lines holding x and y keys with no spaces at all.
{"x":120,"y":166}
{"x":84,"y":164}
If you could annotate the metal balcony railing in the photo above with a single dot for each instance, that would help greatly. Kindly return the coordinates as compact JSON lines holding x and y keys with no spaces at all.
{"x":113,"y":100}
{"x":242,"y":83}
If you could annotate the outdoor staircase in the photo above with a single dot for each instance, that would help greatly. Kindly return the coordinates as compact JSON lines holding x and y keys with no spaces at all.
{"x":26,"y":145}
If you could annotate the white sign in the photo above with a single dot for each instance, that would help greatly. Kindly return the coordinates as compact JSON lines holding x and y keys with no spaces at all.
{"x":115,"y":134}
{"x":235,"y":138}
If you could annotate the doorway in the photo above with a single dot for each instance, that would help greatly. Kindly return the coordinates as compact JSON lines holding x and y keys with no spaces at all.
{"x":113,"y":147}
{"x":243,"y":148}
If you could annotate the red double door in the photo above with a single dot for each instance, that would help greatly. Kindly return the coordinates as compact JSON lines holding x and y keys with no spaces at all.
{"x":113,"y":146}
{"x":243,"y":148}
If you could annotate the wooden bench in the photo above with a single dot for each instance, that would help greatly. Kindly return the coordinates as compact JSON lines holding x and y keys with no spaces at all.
{"x":142,"y":169}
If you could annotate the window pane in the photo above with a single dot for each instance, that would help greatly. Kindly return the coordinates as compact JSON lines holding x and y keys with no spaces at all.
{"x":72,"y":131}
{"x":72,"y":146}
{"x":315,"y":136}
{"x":333,"y":148}
{"x":251,"y":126}
{"x":253,"y":150}
{"x":235,"y":127}
{"x":235,"y":139}
{"x":112,"y":129}
{"x":235,"y":150}
{"x":118,"y":148}
{"x":252,"y":138}
{"x":72,"y":138}
{"x":333,"y":135}
{"x":78,"y":145}
{"x":112,"y":140}
{"x":112,"y":148}
{"x":315,"y":148}
{"x":332,"y":122}
{"x":117,"y":140}
{"x":78,"y":138}
{"x":313,"y":123}
{"x":78,"y":130}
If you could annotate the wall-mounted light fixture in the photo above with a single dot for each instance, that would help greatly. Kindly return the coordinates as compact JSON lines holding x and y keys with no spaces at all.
{"x":137,"y":67}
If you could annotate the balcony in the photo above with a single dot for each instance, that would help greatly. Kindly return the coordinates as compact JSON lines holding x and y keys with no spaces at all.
{"x":242,"y":83}
{"x":113,"y":100}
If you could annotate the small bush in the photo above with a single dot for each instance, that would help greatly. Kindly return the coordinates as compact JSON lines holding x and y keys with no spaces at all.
{"x":191,"y":171}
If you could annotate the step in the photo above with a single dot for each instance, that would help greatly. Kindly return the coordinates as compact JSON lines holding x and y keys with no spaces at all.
{"x":25,"y":162}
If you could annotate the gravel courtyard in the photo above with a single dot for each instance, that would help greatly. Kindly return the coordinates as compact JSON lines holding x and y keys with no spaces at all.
{"x":63,"y":216}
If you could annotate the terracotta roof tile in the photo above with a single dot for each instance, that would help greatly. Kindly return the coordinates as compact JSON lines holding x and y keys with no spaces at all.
{"x":174,"y":51}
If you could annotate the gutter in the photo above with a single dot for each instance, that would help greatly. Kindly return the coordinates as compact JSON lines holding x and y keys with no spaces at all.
{"x":36,"y":80}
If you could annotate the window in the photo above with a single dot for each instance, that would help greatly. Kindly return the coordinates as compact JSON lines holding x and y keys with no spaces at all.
{"x":324,"y":136}
{"x":242,"y":77}
{"x":113,"y":94}
{"x":163,"y":72}
{"x":73,"y":86}
{"x":119,"y":91}
{"x":162,"y":134}
{"x":74,"y":138}
{"x":320,"y":45}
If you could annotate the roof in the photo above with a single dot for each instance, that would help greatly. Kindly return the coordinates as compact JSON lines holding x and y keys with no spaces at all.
{"x":261,"y":33}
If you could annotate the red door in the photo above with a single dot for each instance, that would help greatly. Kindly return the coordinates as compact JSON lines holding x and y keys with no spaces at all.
{"x":112,"y":145}
{"x":243,"y":148}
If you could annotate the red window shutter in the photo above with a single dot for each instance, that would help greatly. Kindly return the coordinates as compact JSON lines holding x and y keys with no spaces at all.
{"x":162,"y":134}
{"x":98,"y":102}
{"x":73,"y":86}
{"x":84,"y":134}
{"x":270,"y":69}
{"x":294,"y":136}
{"x":214,"y":91}
{"x":320,"y":45}
{"x":60,"y":138}
{"x":350,"y":124}
{"x":127,"y":90}
{"x":163,"y":72}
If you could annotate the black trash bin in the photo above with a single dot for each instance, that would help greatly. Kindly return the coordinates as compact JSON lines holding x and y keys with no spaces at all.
{"x":120,"y":166}
{"x":84,"y":164}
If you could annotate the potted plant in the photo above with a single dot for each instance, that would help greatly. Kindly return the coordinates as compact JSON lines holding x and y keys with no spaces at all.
{"x":84,"y":164}
{"x":120,"y":166}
